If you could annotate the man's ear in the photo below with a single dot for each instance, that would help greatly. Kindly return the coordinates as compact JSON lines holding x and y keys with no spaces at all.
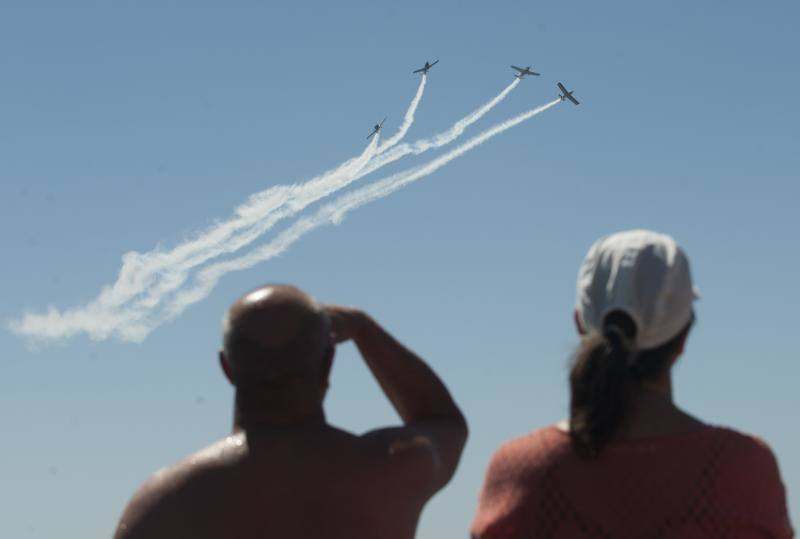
{"x":226,"y":367}
{"x":327,"y":364}
{"x":578,"y":324}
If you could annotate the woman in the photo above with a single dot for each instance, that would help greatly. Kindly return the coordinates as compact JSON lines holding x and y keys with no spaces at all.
{"x":629,"y":463}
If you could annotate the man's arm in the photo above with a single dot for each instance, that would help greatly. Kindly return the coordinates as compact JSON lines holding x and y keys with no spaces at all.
{"x":418,"y":395}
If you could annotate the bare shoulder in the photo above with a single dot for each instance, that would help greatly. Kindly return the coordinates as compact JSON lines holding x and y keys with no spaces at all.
{"x":398,"y":448}
{"x":154,"y":510}
{"x":535,"y":445}
{"x":512,"y":477}
{"x":143,"y":508}
{"x":418,"y":459}
{"x":523,"y":456}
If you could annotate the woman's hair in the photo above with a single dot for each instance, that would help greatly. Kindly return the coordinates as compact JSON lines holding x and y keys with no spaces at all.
{"x":605,"y":375}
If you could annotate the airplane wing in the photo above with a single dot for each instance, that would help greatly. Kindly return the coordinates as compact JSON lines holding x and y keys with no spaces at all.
{"x":383,"y":121}
{"x":573,"y":99}
{"x":419,"y":70}
{"x":561,"y":87}
{"x":534,"y":73}
{"x":370,"y":135}
{"x":434,"y":63}
{"x":518,"y":69}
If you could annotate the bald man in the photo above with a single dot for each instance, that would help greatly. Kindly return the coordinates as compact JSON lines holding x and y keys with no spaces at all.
{"x":286,"y":473}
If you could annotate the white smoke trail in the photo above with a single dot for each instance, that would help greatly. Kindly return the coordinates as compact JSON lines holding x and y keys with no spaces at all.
{"x":141,"y":272}
{"x":437,"y":141}
{"x":294,"y":200}
{"x":331,"y":213}
{"x":311,"y":192}
{"x":157,"y":272}
{"x":408,"y":119}
{"x":386,"y":154}
{"x":144,"y":279}
{"x":119,"y":311}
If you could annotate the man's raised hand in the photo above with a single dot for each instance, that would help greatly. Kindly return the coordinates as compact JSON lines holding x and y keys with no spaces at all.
{"x":346,"y":322}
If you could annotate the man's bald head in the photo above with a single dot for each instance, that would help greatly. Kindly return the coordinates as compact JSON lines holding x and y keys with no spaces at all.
{"x":274,"y":336}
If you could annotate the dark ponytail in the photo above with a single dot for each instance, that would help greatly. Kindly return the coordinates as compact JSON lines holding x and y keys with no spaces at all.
{"x":605,"y":375}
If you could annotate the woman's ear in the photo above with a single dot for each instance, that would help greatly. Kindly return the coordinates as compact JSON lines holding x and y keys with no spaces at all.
{"x":226,"y":367}
{"x":578,"y":324}
{"x":682,"y":345}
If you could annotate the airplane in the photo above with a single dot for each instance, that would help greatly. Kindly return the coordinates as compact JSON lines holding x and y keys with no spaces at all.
{"x":424,"y":70}
{"x":524,"y":71}
{"x":376,"y":129}
{"x":566,"y":95}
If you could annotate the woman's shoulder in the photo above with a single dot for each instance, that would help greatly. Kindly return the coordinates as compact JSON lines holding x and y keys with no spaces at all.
{"x":748,"y":445}
{"x":532,"y":450}
{"x":543,"y":439}
{"x":552,"y":443}
{"x":749,"y":481}
{"x":739,"y":452}
{"x":731,"y":449}
{"x":744,"y":456}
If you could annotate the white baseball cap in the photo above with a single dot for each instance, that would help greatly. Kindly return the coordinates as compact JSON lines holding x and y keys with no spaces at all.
{"x":642,"y":273}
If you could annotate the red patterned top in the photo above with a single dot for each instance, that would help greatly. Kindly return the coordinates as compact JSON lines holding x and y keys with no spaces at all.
{"x":713,"y":482}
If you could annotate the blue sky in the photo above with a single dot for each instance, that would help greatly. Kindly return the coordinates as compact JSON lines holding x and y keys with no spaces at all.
{"x":131,"y":126}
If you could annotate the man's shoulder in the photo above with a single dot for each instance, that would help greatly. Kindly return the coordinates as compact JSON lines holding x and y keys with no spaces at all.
{"x":411,"y":460}
{"x":397,"y":449}
{"x":159,"y":498}
{"x":147,"y":505}
{"x":209,"y":461}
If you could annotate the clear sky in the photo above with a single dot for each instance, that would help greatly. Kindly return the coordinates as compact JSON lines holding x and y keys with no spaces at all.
{"x":130,"y":127}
